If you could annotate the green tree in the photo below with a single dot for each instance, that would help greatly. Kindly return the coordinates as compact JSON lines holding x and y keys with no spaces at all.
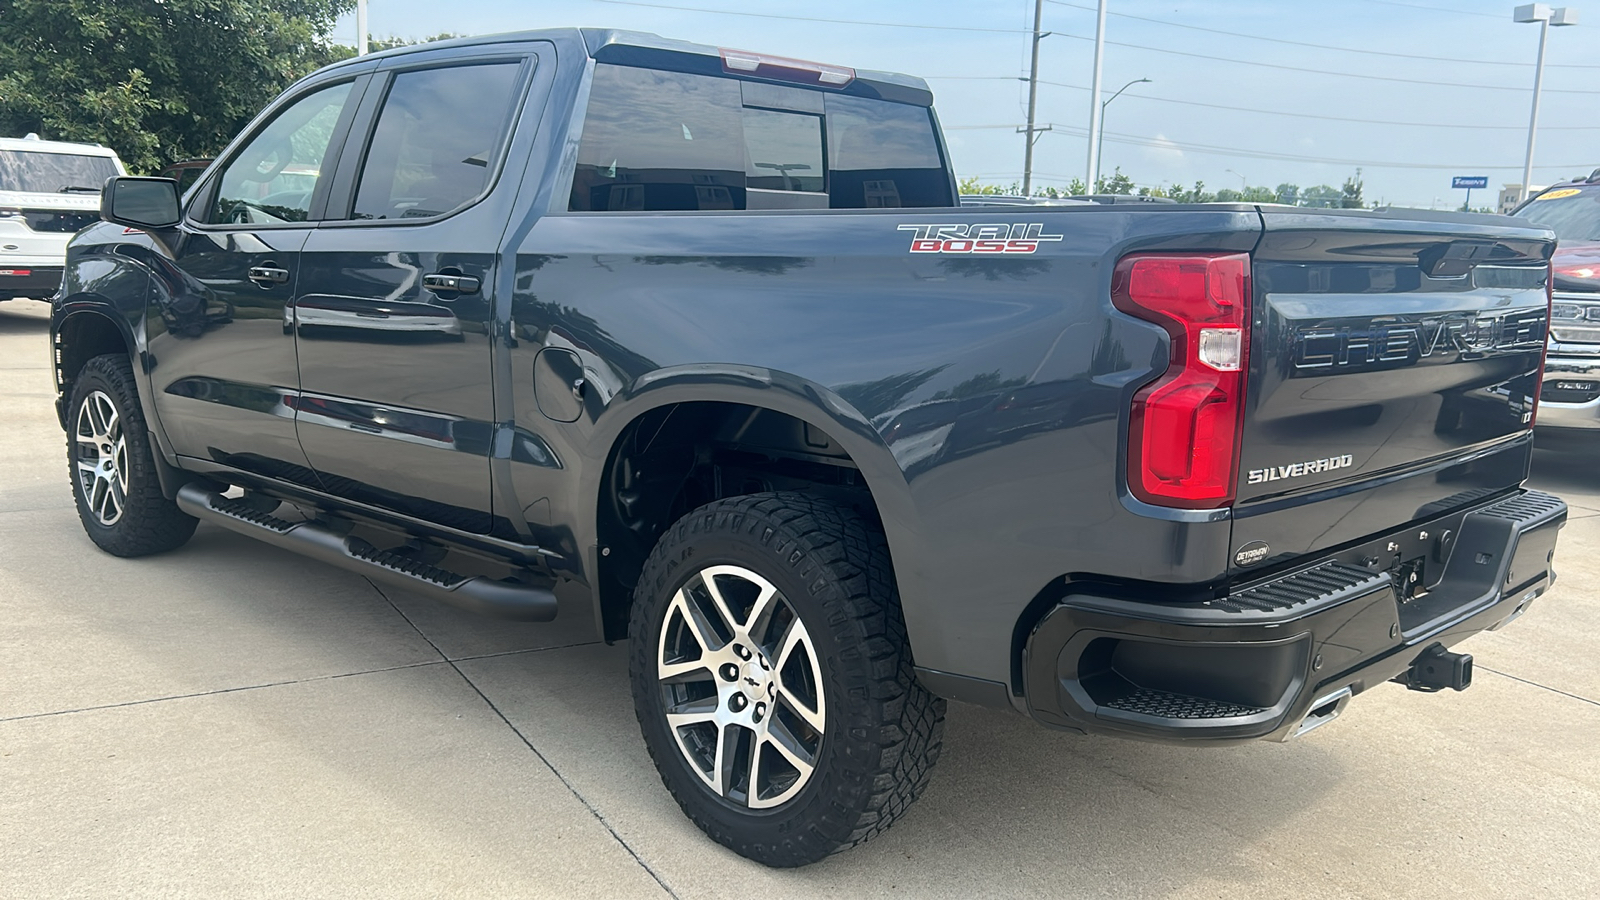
{"x":1321,"y":196}
{"x":971,"y":185}
{"x":1118,"y":183}
{"x":1288,"y":194}
{"x":156,"y":80}
{"x":1350,"y":195}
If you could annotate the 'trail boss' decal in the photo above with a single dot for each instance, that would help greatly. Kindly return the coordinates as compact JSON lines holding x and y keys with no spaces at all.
{"x":1022,"y":237}
{"x":1300,"y":469}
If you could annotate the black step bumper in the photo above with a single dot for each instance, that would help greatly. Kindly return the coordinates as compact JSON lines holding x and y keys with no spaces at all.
{"x":1278,"y":657}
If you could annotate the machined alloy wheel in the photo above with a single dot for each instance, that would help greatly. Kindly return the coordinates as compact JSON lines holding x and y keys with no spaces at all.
{"x":741,"y":687}
{"x":102,"y":462}
{"x":115,"y":480}
{"x":773,"y":679}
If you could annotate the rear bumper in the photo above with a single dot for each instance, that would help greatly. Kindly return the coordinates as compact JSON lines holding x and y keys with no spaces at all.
{"x":1273,"y":658}
{"x":39,"y":281}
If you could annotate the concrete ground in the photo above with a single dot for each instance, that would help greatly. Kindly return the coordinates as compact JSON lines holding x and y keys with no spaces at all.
{"x":230,"y":720}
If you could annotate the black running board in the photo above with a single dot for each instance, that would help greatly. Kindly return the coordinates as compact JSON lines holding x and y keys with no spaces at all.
{"x":487,"y":596}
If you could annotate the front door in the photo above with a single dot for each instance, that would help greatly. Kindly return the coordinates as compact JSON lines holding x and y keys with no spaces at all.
{"x":394,"y":306}
{"x":221,"y":351}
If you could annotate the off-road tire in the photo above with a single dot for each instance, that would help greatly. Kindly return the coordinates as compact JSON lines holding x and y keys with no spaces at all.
{"x":149,"y":522}
{"x":883,"y":729}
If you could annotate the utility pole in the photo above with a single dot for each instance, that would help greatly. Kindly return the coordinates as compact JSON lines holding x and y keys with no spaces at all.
{"x":1094,"y":98}
{"x":1033,"y":98}
{"x":361,"y":27}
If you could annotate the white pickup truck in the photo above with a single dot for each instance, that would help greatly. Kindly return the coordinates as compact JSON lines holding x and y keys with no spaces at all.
{"x":49,"y":191}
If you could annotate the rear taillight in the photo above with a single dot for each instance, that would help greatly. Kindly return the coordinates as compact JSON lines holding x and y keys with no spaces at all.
{"x":1183,"y":438}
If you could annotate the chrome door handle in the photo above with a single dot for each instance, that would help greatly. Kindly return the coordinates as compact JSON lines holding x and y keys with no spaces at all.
{"x":268,"y":275}
{"x":451,"y":284}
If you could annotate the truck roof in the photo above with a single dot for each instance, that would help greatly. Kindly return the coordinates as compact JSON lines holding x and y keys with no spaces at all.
{"x":646,"y":50}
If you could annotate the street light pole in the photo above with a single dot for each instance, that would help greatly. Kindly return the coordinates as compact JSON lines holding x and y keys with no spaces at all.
{"x":1545,"y":16}
{"x":1100,"y":142}
{"x":1244,"y":184}
{"x":1033,"y":98}
{"x":1094,"y":105}
{"x":361,"y":27}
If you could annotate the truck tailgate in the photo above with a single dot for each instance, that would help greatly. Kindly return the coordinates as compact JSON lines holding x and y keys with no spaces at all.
{"x":1394,"y":365}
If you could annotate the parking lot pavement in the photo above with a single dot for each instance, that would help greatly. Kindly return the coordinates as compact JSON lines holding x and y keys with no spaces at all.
{"x":232,"y":720}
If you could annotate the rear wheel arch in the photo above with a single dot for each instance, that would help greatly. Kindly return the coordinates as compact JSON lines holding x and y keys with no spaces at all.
{"x":812,"y":440}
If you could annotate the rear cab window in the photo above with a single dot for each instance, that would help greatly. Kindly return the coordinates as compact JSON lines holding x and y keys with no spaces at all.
{"x":656,"y":140}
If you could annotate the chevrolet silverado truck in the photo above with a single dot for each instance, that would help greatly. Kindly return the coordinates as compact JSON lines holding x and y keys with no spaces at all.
{"x":1571,"y":393}
{"x":697,"y":343}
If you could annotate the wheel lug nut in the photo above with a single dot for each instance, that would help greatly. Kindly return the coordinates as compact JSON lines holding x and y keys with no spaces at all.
{"x":764,"y":664}
{"x":738,"y":702}
{"x":729,"y":672}
{"x":741,"y":651}
{"x":761,"y":710}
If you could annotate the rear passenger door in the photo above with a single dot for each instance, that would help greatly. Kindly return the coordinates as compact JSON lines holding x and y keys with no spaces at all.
{"x":394,"y":312}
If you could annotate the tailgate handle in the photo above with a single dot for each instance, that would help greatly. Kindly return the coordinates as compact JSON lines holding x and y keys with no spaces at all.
{"x":1453,"y":259}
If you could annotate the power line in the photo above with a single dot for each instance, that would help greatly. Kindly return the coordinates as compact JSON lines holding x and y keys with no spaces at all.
{"x":1164,"y":143}
{"x":1256,"y":37}
{"x":756,"y":15}
{"x":1242,"y":62}
{"x":1275,"y":112}
{"x":1445,"y":9}
{"x":1265,"y":65}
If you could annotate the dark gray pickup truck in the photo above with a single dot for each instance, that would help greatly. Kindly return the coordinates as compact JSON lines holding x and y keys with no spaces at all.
{"x":697,"y":343}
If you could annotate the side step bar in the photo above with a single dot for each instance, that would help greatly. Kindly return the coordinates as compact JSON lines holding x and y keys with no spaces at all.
{"x":487,"y":596}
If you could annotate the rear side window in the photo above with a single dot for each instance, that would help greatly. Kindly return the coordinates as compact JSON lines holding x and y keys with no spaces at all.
{"x":53,"y":173}
{"x":437,"y":140}
{"x":672,"y":141}
{"x":660,"y":140}
{"x":883,"y":155}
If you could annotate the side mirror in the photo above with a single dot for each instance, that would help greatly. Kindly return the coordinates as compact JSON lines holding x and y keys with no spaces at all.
{"x":143,"y":203}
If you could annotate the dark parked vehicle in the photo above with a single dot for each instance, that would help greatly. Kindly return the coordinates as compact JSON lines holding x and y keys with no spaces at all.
{"x":1571,"y":396}
{"x":697,"y":343}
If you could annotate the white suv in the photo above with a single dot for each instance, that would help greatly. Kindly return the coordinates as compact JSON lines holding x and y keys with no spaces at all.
{"x":49,"y":191}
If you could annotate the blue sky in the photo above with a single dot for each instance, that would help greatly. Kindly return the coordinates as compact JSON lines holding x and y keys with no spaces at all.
{"x":1383,"y":109}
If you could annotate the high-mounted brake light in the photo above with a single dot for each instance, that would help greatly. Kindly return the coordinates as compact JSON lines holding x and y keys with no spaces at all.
{"x":1183,"y":437}
{"x":778,"y":68}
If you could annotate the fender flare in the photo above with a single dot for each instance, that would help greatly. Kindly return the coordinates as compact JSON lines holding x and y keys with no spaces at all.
{"x":780,"y":392}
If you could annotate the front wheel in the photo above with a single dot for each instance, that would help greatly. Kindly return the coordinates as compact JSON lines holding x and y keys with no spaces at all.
{"x":113,"y":470}
{"x":773,"y":680}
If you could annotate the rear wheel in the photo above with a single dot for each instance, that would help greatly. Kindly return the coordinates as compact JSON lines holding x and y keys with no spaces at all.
{"x":113,"y":473}
{"x":773,"y":681}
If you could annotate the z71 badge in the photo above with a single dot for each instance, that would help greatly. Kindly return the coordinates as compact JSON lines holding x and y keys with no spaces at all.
{"x":1022,"y":237}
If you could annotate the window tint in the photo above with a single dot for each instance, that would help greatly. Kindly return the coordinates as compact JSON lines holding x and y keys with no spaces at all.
{"x":437,"y":140}
{"x":784,"y":149}
{"x":883,"y":155}
{"x":660,"y":140}
{"x":271,"y":180}
{"x":672,"y":141}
